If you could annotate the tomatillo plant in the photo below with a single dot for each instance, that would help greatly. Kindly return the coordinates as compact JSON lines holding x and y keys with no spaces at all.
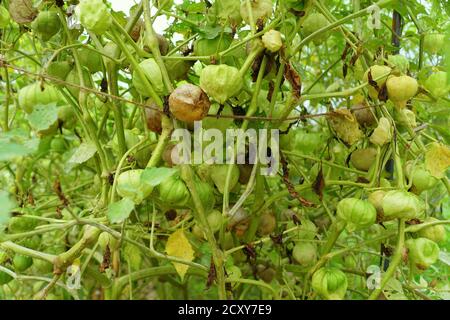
{"x":246,"y":149}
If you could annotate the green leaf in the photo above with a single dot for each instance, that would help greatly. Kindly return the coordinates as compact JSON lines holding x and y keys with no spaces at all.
{"x":43,"y":116}
{"x":154,"y":176}
{"x":120,"y":211}
{"x":12,"y":147}
{"x":10,"y":150}
{"x":187,"y":6}
{"x":83,"y":153}
{"x":6,"y":206}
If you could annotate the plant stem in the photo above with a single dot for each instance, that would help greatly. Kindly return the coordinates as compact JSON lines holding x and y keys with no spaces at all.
{"x":396,"y":259}
{"x":164,"y":138}
{"x":9,"y":245}
{"x":7,"y":101}
{"x":188,"y":177}
{"x":152,"y":42}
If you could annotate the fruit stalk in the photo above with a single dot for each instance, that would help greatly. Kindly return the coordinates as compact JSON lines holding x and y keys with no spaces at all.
{"x":394,"y":263}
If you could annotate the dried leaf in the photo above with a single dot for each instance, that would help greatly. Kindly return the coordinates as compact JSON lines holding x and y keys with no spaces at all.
{"x":294,"y":79}
{"x":437,"y":159}
{"x":345,"y":52}
{"x":289,"y":184}
{"x":178,"y":246}
{"x":22,"y":11}
{"x":372,"y":82}
{"x":319,"y":184}
{"x":106,"y":263}
{"x":212,"y":275}
{"x":346,"y":126}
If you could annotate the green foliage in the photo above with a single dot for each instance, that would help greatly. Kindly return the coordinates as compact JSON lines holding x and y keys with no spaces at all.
{"x":88,"y":171}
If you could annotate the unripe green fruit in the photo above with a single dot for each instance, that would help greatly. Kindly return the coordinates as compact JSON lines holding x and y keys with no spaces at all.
{"x":59,"y":70}
{"x":305,"y":253}
{"x":129,"y":185}
{"x":406,"y":117}
{"x":211,"y":47}
{"x":198,"y":232}
{"x":153,"y":74}
{"x":420,"y":177}
{"x":94,"y":16}
{"x":67,"y":116}
{"x":5,"y":278}
{"x":174,"y":193}
{"x":228,"y":11}
{"x":178,"y":69}
{"x":362,"y":159}
{"x":356,"y":213}
{"x":90,"y":234}
{"x":383,"y":133}
{"x":314,"y":22}
{"x":261,"y":9}
{"x":254,"y":45}
{"x":74,"y":79}
{"x":221,"y":82}
{"x":215,"y":220}
{"x":206,"y":194}
{"x":376,"y":199}
{"x":46,"y":24}
{"x":272,"y":40}
{"x":297,"y":5}
{"x":330,"y":283}
{"x":45,"y":267}
{"x":34,"y":94}
{"x":92,"y":60}
{"x":433,"y":43}
{"x":350,"y":261}
{"x":21,"y":224}
{"x":58,"y":145}
{"x":400,"y":204}
{"x":218,"y":174}
{"x":104,"y":240}
{"x":401,"y":89}
{"x":436,"y":233}
{"x":21,"y":263}
{"x":422,"y":253}
{"x":437,"y":84}
{"x":377,"y":71}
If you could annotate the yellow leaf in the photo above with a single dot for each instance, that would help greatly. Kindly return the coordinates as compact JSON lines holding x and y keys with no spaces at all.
{"x":178,"y":246}
{"x":437,"y":159}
